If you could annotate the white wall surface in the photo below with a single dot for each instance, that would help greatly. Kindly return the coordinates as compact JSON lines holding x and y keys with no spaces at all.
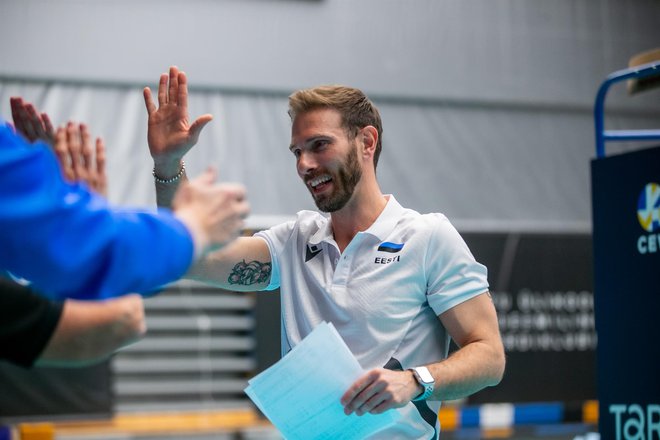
{"x":486,"y":104}
{"x":550,"y":50}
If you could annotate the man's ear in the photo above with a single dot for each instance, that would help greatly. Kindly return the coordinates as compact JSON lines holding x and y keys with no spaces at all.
{"x":369,"y":139}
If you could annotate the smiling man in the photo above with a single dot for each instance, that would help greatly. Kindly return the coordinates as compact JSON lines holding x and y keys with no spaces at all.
{"x":396,"y":284}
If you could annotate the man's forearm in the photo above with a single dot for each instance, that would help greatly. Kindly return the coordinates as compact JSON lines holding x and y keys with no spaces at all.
{"x":89,"y":332}
{"x":475,"y":366}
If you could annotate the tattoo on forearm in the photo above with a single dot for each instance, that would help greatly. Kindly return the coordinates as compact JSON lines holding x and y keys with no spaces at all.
{"x":246,"y":274}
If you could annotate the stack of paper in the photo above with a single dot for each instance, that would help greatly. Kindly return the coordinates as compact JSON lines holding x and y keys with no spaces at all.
{"x":300,"y":394}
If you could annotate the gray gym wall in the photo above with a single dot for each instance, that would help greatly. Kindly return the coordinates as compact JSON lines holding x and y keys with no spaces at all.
{"x":487,"y":109}
{"x":486,"y":104}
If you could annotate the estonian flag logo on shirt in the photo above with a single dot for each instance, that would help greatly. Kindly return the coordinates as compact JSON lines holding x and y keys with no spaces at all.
{"x":392,"y":248}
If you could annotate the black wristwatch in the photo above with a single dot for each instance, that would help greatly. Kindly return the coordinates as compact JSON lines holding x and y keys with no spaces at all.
{"x":423,"y":377}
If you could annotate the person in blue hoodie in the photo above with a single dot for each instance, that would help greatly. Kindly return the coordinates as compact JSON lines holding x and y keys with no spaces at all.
{"x":69,"y":242}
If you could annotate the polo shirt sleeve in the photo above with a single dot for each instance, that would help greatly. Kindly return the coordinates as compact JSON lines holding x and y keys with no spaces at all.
{"x":27,"y":323}
{"x":453,"y":275}
{"x":69,"y":243}
{"x":276,"y":238}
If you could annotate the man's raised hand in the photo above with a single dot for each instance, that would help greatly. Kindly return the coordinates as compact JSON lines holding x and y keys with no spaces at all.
{"x":213,"y":212}
{"x":31,"y":124}
{"x":79,"y":162}
{"x":170,"y":134}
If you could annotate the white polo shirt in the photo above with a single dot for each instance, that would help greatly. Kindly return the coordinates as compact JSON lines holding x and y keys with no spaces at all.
{"x":383,"y":293}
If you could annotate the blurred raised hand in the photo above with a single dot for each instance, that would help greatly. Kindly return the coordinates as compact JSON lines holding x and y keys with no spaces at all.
{"x":31,"y":124}
{"x":213,"y":212}
{"x":170,"y":134}
{"x":79,"y":161}
{"x":72,"y":145}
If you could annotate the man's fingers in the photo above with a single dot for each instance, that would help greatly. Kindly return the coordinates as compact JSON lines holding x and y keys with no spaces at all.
{"x":86,"y":149}
{"x":238,"y":197}
{"x":148,"y":100}
{"x":73,"y":141}
{"x":381,"y":407}
{"x":357,"y":405}
{"x":198,"y":125}
{"x":349,"y":399}
{"x":28,"y":128}
{"x":243,"y":207}
{"x":48,"y":127}
{"x":15,"y":103}
{"x":377,"y":398}
{"x":240,"y":193}
{"x":182,"y":98}
{"x":100,"y":157}
{"x":209,"y":175}
{"x":76,"y":154}
{"x":60,"y":140}
{"x":162,"y":90}
{"x":173,"y":93}
{"x":36,"y":122}
{"x":30,"y":123}
{"x":16,"y":114}
{"x":101,"y":178}
{"x":222,"y":213}
{"x":62,"y":153}
{"x":361,"y":391}
{"x":361,"y":383}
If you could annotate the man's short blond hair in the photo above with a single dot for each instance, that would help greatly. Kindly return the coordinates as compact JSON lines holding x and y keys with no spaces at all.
{"x":356,"y":110}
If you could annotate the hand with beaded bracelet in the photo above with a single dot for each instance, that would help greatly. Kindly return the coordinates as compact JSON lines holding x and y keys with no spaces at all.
{"x":170,"y":134}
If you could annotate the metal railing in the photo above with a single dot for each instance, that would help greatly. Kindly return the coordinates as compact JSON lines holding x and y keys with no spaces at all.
{"x":602,"y":135}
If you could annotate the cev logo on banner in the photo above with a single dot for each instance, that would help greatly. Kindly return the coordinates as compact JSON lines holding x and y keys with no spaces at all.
{"x":648,"y":214}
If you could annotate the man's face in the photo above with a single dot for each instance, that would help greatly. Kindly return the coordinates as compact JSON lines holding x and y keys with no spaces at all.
{"x":325,"y":158}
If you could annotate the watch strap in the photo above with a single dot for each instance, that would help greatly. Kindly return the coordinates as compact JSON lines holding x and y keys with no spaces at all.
{"x":428,"y":386}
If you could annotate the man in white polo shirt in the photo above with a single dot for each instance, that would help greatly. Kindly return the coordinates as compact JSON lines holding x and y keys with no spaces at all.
{"x":396,"y":284}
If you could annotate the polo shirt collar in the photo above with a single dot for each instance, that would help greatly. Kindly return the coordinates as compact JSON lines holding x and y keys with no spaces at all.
{"x":381,"y":228}
{"x":324,"y":233}
{"x":387,"y":219}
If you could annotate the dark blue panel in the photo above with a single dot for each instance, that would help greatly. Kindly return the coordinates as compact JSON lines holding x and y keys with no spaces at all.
{"x":627,"y":287}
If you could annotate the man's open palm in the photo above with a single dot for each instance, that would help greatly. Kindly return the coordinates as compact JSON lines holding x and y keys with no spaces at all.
{"x":170,"y":133}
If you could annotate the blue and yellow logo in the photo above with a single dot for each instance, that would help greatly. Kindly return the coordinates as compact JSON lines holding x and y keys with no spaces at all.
{"x":648,"y":207}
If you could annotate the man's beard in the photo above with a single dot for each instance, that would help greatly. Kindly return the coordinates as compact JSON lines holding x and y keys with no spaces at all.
{"x":344,"y":182}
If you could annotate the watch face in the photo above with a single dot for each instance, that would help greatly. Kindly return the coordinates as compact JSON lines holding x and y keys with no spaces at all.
{"x":424,"y":374}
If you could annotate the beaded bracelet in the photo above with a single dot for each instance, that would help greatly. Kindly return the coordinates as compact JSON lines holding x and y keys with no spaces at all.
{"x":171,"y":179}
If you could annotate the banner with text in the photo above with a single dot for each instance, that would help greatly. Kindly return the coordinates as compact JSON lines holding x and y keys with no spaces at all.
{"x":626,"y":232}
